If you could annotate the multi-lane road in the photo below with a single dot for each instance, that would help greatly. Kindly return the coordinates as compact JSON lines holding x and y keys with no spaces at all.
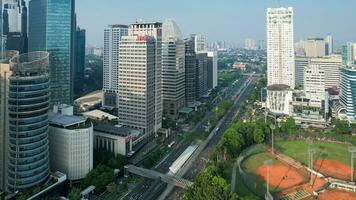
{"x":152,"y":189}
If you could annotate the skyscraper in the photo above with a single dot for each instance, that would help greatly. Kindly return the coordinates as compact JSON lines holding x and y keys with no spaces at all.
{"x":280,"y":46}
{"x":191,"y":92}
{"x":15,"y":25}
{"x":5,"y":74}
{"x":28,"y":104}
{"x":137,"y":83}
{"x":80,"y":53}
{"x":154,"y":30}
{"x":51,"y":29}
{"x":173,"y":69}
{"x":112,"y":38}
{"x":329,"y":44}
{"x":314,"y":47}
{"x":348,"y":54}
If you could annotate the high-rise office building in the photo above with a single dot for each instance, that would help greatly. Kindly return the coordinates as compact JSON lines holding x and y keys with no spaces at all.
{"x":329,"y":44}
{"x":314,"y":84}
{"x":15,"y":25}
{"x":28,"y":103}
{"x":137,"y":81}
{"x":1,"y":27}
{"x":280,"y":46}
{"x":191,"y":93}
{"x":212,"y":69}
{"x":173,"y":69}
{"x":112,"y":38}
{"x":202,"y":74}
{"x":250,"y":44}
{"x":329,"y":64}
{"x":51,"y":29}
{"x":5,"y":73}
{"x":348,"y":90}
{"x":80,"y":53}
{"x":154,"y":30}
{"x":199,"y":43}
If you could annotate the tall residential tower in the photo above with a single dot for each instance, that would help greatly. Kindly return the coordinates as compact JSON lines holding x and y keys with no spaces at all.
{"x":112,"y":38}
{"x":280,"y":46}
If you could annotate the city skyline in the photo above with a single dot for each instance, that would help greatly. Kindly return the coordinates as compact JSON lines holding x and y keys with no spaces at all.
{"x":228,"y":14}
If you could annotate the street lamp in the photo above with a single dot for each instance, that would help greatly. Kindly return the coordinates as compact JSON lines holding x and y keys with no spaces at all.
{"x":272,"y":127}
{"x":352,"y":150}
{"x":268,"y":163}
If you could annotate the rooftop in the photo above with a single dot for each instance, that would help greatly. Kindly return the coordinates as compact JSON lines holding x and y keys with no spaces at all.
{"x":98,"y":114}
{"x":65,"y":120}
{"x":114,"y":130}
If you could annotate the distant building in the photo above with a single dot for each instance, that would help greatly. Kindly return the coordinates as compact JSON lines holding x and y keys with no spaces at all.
{"x":173,"y":69}
{"x":349,"y":54}
{"x":280,"y":47}
{"x":15,"y":25}
{"x":314,"y":47}
{"x":5,"y":74}
{"x":200,"y":44}
{"x":240,"y":66}
{"x":329,"y":44}
{"x":329,"y":64}
{"x":117,"y":140}
{"x":70,"y":143}
{"x":191,"y":92}
{"x":250,"y":44}
{"x":52,"y":29}
{"x":80,"y":53}
{"x":112,"y":38}
{"x":212,"y":69}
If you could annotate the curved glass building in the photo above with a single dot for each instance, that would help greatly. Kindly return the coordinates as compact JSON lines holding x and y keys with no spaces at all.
{"x":28,"y":105}
{"x":348,"y":90}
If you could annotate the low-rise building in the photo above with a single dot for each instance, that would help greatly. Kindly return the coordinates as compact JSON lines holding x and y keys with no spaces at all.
{"x":117,"y":140}
{"x":70,"y":143}
{"x":279,"y":98}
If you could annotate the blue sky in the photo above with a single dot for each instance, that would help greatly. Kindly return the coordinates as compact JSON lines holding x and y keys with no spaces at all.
{"x":229,"y":20}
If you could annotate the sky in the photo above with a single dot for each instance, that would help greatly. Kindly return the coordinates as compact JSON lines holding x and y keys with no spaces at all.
{"x":221,"y":20}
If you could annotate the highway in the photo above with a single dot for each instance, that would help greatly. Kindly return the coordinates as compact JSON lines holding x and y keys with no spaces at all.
{"x":152,"y":189}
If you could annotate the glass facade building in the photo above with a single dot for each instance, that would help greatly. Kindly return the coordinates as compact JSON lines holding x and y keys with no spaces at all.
{"x":28,"y":103}
{"x":348,"y":91}
{"x":51,"y":29}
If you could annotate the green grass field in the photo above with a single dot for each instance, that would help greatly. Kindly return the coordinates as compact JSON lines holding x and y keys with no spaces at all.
{"x":322,"y":150}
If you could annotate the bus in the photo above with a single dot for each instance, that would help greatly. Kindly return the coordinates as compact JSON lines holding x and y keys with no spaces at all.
{"x":171,"y":144}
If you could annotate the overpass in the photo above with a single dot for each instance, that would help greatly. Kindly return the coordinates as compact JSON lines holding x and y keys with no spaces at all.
{"x":167,"y":178}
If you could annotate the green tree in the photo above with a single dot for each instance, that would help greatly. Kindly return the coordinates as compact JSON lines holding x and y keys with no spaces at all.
{"x":258,"y":135}
{"x":341,"y":127}
{"x":233,"y":142}
{"x":290,"y":125}
{"x":208,"y":186}
{"x":100,"y":177}
{"x":74,"y":194}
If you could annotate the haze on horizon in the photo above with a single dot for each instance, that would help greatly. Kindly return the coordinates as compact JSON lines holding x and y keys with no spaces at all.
{"x":228,"y":20}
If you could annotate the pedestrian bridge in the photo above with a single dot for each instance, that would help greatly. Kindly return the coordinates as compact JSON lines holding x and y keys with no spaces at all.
{"x":167,"y":178}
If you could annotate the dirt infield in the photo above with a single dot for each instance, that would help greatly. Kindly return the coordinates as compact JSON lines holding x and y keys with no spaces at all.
{"x":337,"y":195}
{"x":333,"y":168}
{"x":281,"y":176}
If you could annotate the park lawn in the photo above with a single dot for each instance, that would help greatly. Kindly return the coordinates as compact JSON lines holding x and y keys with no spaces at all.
{"x":299,"y":150}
